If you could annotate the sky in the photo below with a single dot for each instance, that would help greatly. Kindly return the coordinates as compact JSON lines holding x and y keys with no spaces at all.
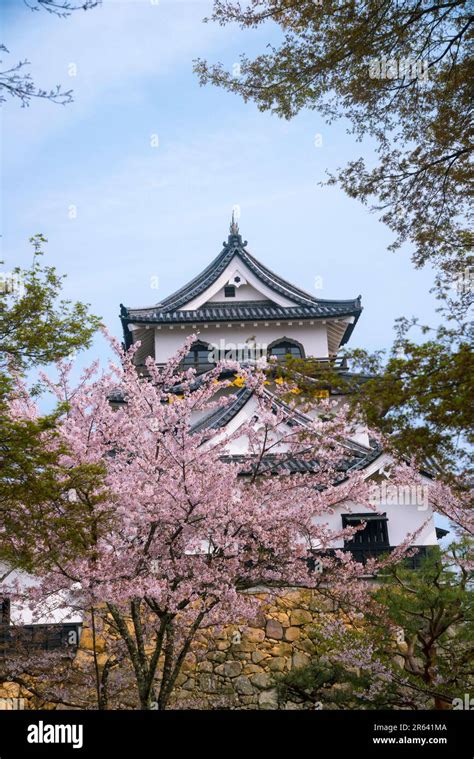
{"x":134,"y":183}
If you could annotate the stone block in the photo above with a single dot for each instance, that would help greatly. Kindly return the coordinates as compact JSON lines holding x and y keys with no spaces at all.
{"x":254,"y":635}
{"x":268,"y":699}
{"x":299,"y":660}
{"x":257,"y":621}
{"x":300,"y":617}
{"x":282,"y":649}
{"x":229,"y":669}
{"x":243,"y":685}
{"x":245,"y":647}
{"x":263,"y":680}
{"x":86,"y":640}
{"x":278,"y":664}
{"x":250,"y":701}
{"x":189,"y":663}
{"x":217,"y":656}
{"x":181,"y":679}
{"x":207,"y":683}
{"x":305,"y":645}
{"x":222,"y":645}
{"x":273,"y":629}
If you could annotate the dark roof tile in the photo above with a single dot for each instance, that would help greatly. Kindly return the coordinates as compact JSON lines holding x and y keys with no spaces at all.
{"x":306,"y":306}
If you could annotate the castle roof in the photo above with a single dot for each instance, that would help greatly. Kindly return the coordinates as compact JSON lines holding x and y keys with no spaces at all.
{"x":290,"y":302}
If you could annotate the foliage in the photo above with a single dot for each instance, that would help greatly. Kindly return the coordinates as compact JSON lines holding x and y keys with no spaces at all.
{"x":417,"y":395}
{"x":421,"y":396}
{"x":400,"y":74}
{"x":412,"y":649}
{"x":36,"y":328}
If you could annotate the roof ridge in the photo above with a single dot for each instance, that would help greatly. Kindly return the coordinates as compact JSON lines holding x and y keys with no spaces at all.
{"x":172,"y":301}
{"x":280,"y":281}
{"x":240,"y":303}
{"x":235,"y":246}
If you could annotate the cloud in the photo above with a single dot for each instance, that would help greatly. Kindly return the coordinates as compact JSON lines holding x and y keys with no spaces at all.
{"x":106,"y":55}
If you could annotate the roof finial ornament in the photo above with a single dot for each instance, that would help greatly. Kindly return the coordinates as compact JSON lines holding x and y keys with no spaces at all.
{"x":234,"y":227}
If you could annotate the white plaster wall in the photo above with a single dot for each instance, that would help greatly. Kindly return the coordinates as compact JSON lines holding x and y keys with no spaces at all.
{"x":22,"y":615}
{"x":361,"y":434}
{"x":403,"y":520}
{"x":239,"y":445}
{"x":313,"y":337}
{"x":242,"y":293}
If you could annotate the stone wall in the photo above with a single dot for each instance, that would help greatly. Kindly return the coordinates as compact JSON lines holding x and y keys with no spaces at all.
{"x":232,"y":668}
{"x":237,"y":667}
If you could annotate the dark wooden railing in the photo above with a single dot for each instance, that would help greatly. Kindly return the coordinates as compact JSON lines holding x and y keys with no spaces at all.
{"x":29,"y":638}
{"x":363,"y":553}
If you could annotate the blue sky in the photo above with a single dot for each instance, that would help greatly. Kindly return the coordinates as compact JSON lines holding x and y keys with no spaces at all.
{"x":145,"y":212}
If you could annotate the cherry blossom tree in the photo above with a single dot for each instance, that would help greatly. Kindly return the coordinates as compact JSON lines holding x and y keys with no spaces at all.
{"x":164,"y":531}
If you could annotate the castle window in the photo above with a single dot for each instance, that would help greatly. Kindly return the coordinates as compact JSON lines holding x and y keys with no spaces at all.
{"x":198,"y":358}
{"x":372,"y":540}
{"x":5,"y":611}
{"x":285,"y":348}
{"x":229,"y":291}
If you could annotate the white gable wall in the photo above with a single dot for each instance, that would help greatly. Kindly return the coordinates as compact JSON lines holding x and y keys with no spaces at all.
{"x":237,"y":267}
{"x":243,"y":293}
